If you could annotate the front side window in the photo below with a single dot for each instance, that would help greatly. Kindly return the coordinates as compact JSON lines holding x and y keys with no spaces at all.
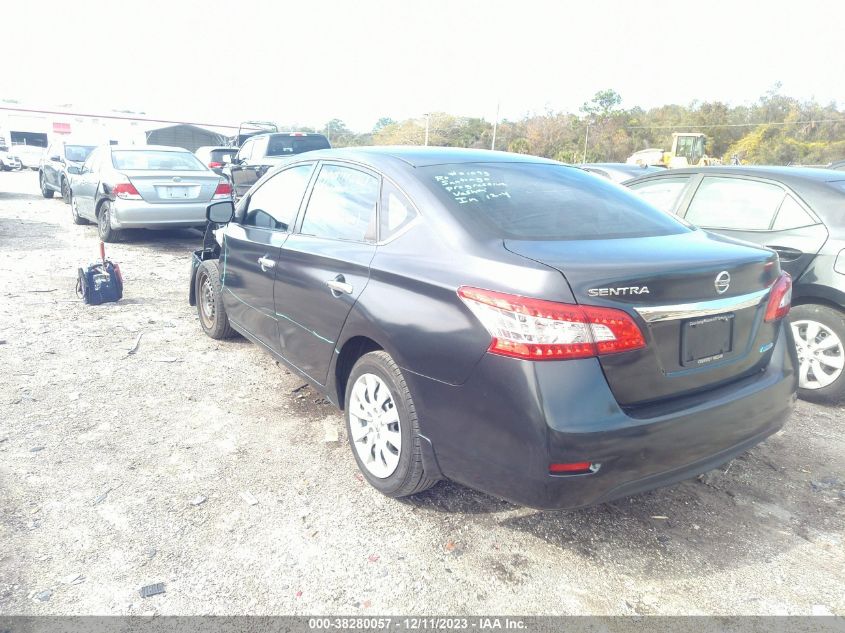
{"x":155,"y":160}
{"x":91,"y":162}
{"x":662,"y":193}
{"x":537,"y":201}
{"x":734,"y":203}
{"x":343,"y":205}
{"x":245,"y":153}
{"x":275,"y":203}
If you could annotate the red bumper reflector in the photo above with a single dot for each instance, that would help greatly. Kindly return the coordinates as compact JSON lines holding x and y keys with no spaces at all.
{"x":571,"y":469}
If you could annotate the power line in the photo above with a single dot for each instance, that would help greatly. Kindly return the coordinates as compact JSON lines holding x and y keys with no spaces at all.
{"x":712,"y":125}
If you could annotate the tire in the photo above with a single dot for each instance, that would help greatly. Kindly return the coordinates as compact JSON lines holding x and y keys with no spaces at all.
{"x":210,"y":309}
{"x":104,"y":229}
{"x":819,"y":333}
{"x":47,"y":193}
{"x":373,"y":440}
{"x":65,"y":191}
{"x":74,"y":212}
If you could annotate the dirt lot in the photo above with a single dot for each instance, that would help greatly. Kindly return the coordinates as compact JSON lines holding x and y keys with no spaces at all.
{"x":202,"y":465}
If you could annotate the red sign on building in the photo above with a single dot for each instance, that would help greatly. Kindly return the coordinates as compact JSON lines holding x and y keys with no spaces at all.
{"x":61,"y":128}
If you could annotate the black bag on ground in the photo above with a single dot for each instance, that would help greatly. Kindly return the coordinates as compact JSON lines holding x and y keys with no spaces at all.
{"x":100,"y":283}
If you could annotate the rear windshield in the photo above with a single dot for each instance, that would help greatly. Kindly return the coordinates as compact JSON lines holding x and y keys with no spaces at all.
{"x":218,"y":154}
{"x":284,"y":145}
{"x":78,"y":153}
{"x":151,"y":160}
{"x":532,"y":201}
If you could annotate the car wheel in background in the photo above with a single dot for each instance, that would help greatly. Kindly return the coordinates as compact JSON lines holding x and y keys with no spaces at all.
{"x":209,"y":297}
{"x":65,"y":191}
{"x":381,"y":422}
{"x":819,"y":333}
{"x":107,"y":233}
{"x":47,"y":193}
{"x":74,"y":212}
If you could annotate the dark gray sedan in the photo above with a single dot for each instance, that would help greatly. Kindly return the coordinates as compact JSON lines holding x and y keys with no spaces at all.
{"x":143,"y":187}
{"x":505,"y":321}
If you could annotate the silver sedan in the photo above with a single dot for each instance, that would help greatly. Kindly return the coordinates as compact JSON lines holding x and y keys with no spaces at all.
{"x":143,"y":186}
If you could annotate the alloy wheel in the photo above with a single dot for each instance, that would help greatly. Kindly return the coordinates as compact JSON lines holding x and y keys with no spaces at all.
{"x":375,"y":426}
{"x":820,"y":353}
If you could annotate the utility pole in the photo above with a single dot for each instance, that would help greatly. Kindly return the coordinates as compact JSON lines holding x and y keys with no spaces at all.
{"x":427,"y":115}
{"x":586,"y":136}
{"x":329,"y":131}
{"x":495,"y":125}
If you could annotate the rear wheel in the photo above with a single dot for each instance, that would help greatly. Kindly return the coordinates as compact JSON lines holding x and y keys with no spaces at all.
{"x":209,"y":296}
{"x":104,"y":228}
{"x":45,"y":191}
{"x":65,"y":191}
{"x":74,"y":212}
{"x":819,"y":333}
{"x":381,"y":422}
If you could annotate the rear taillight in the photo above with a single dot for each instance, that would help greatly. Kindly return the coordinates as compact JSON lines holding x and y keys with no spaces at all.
{"x":126,"y":191}
{"x":214,"y":165}
{"x":224,"y":190}
{"x":545,"y":330}
{"x":780,"y":298}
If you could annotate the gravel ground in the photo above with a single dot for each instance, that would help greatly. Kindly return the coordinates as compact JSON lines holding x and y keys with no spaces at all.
{"x":204,"y":466}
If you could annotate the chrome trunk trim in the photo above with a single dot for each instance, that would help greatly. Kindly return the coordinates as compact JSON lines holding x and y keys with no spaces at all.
{"x":652,"y":314}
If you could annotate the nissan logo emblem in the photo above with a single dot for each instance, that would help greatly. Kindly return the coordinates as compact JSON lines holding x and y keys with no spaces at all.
{"x":723,"y":282}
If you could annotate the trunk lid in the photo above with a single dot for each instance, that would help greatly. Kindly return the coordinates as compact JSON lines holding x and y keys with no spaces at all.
{"x":174,"y":187}
{"x":697,"y":335}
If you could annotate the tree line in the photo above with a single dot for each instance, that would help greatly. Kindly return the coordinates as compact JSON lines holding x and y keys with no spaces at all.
{"x":776,"y":129}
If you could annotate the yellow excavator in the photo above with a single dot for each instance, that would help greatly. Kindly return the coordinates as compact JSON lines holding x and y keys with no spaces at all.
{"x":687,"y":151}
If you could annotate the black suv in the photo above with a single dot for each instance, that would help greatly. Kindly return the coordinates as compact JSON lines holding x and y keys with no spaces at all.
{"x":52,"y":171}
{"x":263,"y":151}
{"x":796,"y":212}
{"x":508,"y":322}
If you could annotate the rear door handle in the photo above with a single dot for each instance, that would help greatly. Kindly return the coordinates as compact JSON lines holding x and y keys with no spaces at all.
{"x":338,"y":286}
{"x":266,"y":264}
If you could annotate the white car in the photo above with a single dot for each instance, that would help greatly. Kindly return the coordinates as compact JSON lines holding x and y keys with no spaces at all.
{"x":8,"y":161}
{"x":29,"y":155}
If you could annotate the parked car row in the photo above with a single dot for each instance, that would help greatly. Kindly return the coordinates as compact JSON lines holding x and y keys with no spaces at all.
{"x":508,"y":322}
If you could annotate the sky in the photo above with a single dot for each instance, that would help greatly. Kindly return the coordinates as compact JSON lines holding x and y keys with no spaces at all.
{"x":308,"y":62}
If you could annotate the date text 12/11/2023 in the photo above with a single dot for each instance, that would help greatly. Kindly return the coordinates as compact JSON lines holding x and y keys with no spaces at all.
{"x":417,"y":623}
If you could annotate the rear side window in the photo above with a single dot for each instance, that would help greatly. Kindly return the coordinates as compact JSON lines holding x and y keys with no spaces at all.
{"x":342,"y":205}
{"x":275,"y":203}
{"x":532,"y":201}
{"x":734,"y":203}
{"x":396,"y":211}
{"x":791,"y":216}
{"x":78,"y":153}
{"x":287,"y":145}
{"x":662,"y":193}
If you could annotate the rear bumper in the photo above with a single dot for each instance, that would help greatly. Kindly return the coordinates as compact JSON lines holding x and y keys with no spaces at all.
{"x":500,"y":430}
{"x":137,"y":214}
